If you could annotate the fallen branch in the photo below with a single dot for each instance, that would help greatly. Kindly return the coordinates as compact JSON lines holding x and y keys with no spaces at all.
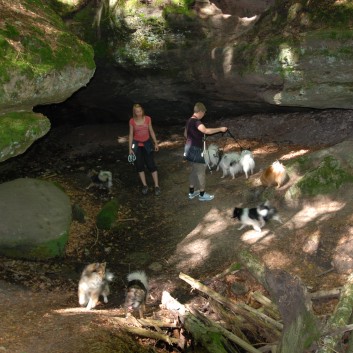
{"x":231,"y":336}
{"x":151,"y":334}
{"x":270,"y":307}
{"x":241,"y":308}
{"x":326,"y":294}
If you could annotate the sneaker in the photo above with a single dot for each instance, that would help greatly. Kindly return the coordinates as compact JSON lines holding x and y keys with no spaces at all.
{"x":157,"y":190}
{"x":145,"y":190}
{"x":206,"y":197}
{"x":194,"y":194}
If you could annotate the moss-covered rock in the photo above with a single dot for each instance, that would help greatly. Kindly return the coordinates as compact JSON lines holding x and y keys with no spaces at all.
{"x":321,"y":172}
{"x":19,"y":130}
{"x":107,"y":215}
{"x":40,"y":60}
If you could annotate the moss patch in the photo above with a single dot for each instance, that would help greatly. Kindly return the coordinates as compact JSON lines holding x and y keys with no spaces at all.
{"x":107,"y":215}
{"x":34,"y":41}
{"x":48,"y":250}
{"x":326,"y":178}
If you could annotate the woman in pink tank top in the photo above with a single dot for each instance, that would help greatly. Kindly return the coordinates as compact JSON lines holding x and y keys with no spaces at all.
{"x":142,"y":144}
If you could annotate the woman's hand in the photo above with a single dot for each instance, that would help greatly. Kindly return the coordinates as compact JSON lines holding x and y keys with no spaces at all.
{"x":131,"y":151}
{"x":156,"y":147}
{"x":223,"y":129}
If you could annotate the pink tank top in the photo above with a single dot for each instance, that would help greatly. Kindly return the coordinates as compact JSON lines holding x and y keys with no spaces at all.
{"x":141,"y":132}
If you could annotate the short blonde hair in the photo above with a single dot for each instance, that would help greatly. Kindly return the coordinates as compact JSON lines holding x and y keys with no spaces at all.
{"x":199,"y":107}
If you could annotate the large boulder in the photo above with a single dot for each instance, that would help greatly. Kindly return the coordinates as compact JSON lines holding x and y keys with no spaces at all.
{"x":41,"y":62}
{"x":35,"y":219}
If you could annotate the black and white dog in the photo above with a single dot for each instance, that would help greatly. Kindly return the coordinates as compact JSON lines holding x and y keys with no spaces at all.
{"x":136,"y":295}
{"x":102,"y":179}
{"x":257,"y":216}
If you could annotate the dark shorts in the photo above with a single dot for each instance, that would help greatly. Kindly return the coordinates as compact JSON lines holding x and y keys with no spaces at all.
{"x":143,"y":158}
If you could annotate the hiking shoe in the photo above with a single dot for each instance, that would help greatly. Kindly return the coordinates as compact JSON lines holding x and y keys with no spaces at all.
{"x":194,"y":194}
{"x":157,"y":190}
{"x":206,"y":197}
{"x":145,"y":190}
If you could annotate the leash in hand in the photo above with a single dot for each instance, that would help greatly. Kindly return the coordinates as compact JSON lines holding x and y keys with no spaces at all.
{"x":131,"y":158}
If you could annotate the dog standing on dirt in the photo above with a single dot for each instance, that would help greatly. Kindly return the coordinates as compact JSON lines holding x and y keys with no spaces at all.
{"x":93,"y":284}
{"x":247,"y":162}
{"x":274,"y":175}
{"x":102,"y":179}
{"x":228,"y":159}
{"x":256,"y":217}
{"x":212,"y":155}
{"x":136,"y":295}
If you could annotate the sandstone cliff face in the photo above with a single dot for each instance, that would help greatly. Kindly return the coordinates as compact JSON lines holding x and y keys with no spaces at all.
{"x":41,"y":62}
{"x":236,"y":56}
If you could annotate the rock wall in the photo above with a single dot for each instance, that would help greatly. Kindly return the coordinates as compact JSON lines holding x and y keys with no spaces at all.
{"x":236,"y":56}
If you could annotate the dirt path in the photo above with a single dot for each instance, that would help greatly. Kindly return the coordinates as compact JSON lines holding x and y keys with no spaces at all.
{"x":172,"y":234}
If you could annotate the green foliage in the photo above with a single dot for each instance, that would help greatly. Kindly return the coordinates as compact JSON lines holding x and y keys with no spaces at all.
{"x":107,"y":215}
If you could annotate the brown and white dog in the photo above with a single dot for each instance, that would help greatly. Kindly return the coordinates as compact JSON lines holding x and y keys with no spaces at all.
{"x":274,"y":175}
{"x":93,"y":284}
{"x":136,"y":295}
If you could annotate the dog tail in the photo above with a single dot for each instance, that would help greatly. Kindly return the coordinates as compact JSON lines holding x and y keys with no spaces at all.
{"x":109,"y":276}
{"x":138,"y":276}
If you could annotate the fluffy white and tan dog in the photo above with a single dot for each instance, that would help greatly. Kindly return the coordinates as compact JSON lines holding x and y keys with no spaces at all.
{"x":256,"y":217}
{"x":228,"y":159}
{"x":274,"y":175}
{"x":93,"y":284}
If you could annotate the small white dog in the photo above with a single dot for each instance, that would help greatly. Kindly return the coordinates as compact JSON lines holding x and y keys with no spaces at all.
{"x":211,"y":155}
{"x":247,"y":162}
{"x":228,"y":159}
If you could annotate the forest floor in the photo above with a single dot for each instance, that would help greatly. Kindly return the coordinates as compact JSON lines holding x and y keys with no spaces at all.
{"x":163,"y":235}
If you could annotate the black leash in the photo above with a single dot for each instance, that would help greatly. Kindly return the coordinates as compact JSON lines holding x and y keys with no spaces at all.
{"x":233,"y":137}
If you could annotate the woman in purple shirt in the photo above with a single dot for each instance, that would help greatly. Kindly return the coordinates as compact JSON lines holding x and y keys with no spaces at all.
{"x":194,"y":133}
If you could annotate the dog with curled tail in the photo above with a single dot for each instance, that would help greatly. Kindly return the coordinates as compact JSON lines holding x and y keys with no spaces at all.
{"x":136,"y":294}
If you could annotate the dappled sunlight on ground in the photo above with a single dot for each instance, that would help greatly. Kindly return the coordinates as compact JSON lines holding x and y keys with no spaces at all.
{"x":318,"y":210}
{"x":254,"y":237}
{"x":277,"y":259}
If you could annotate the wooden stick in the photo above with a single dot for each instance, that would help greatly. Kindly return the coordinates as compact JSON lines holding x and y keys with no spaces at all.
{"x":325,"y":294}
{"x":151,"y":334}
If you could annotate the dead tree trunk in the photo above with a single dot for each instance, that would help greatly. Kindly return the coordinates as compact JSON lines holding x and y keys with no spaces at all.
{"x":300,"y":328}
